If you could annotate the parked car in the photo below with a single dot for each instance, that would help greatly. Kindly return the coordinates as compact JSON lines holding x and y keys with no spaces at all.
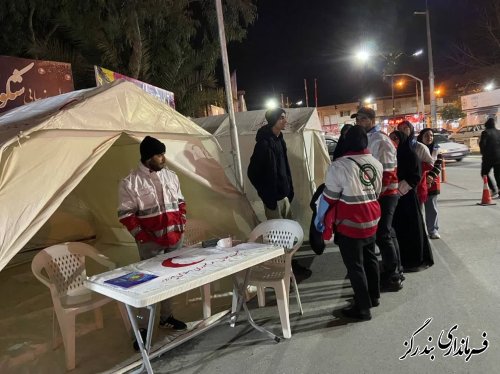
{"x":450,"y":149}
{"x":467,"y":132}
{"x":331,"y":143}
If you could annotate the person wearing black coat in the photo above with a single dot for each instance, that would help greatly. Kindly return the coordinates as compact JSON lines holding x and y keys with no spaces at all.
{"x":269,"y":170}
{"x":489,"y":144}
{"x":415,"y":248}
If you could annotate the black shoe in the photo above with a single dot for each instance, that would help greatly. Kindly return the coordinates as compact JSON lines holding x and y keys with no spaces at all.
{"x":354,"y":313}
{"x":299,"y":270}
{"x":391,"y":286}
{"x":144,"y":334}
{"x":375,"y":302}
{"x":172,"y":323}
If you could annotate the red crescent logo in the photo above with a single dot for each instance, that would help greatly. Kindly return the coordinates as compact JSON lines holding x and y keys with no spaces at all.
{"x":170,"y":264}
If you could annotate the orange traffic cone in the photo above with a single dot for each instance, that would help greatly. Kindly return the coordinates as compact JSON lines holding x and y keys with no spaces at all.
{"x":443,"y":171}
{"x":486,"y":200}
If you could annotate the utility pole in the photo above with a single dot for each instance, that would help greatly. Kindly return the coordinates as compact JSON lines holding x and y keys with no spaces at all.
{"x":305,"y":89}
{"x":315,"y":92}
{"x":432,"y":95}
{"x":229,"y":97}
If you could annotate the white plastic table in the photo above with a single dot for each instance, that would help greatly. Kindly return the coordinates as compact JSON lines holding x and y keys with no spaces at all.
{"x":178,"y":272}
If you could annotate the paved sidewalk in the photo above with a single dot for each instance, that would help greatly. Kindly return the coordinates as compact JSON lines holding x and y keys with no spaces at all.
{"x":462,"y":288}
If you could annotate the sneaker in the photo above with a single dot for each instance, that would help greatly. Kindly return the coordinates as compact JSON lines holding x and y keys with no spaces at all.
{"x":172,"y":323}
{"x":354,"y":312}
{"x":435,"y":235}
{"x":144,"y":333}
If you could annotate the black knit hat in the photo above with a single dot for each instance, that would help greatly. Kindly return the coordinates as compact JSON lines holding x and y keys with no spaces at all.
{"x":272,"y":115}
{"x":151,"y":146}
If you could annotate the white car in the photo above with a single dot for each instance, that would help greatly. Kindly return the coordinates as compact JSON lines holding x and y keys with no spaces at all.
{"x":450,"y":149}
{"x":331,"y":143}
{"x":467,"y":132}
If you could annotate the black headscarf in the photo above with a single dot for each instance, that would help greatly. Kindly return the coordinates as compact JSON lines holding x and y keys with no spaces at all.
{"x":340,"y":144}
{"x":490,"y":123}
{"x":355,"y":140}
{"x":420,"y":138}
{"x":408,"y":164}
{"x":411,"y":137}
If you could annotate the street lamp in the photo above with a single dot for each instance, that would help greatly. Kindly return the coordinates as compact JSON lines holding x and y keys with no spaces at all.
{"x":421,"y":87}
{"x":490,"y":86}
{"x":431,"y":66}
{"x":271,"y":104}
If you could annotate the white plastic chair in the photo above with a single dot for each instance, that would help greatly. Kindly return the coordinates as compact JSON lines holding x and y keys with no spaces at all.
{"x":64,"y":265}
{"x":277,"y":272}
{"x":196,"y":231}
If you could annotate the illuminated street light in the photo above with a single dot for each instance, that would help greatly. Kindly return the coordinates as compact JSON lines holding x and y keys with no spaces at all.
{"x":401,"y":83}
{"x":490,"y":86}
{"x":271,"y":104}
{"x":362,"y":55}
{"x":299,"y":103}
{"x":418,"y":53}
{"x":368,"y":100}
{"x":438,"y":92}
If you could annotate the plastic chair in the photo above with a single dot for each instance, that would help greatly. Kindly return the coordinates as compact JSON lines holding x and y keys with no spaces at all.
{"x":64,"y":265}
{"x":196,"y":231}
{"x":277,"y":272}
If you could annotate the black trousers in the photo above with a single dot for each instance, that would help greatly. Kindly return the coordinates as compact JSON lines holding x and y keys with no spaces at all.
{"x":387,"y":240}
{"x":485,"y":170}
{"x":362,"y":268}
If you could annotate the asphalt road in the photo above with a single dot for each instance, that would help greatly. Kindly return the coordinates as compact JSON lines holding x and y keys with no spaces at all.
{"x":459,"y":297}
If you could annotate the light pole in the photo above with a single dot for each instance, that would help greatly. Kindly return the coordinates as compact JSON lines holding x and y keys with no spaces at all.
{"x":431,"y":66}
{"x":418,"y":80}
{"x":229,"y":97}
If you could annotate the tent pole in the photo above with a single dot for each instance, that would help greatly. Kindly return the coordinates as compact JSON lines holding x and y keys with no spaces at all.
{"x":230,"y":108}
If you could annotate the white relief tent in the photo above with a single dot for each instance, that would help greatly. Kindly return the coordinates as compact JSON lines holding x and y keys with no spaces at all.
{"x":306,"y":151}
{"x":61,"y":160}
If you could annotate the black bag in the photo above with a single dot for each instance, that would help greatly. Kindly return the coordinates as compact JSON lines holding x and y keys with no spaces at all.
{"x":315,"y":237}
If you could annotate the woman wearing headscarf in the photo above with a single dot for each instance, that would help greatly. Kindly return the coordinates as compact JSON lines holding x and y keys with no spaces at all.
{"x":340,"y":143}
{"x":408,"y":222}
{"x":349,"y":207}
{"x":426,"y":137}
{"x":423,"y":155}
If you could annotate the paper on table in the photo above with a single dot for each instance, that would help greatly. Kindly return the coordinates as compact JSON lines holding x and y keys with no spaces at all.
{"x":225,"y":243}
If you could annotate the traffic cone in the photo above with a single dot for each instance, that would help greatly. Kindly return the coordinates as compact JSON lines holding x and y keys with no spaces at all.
{"x":486,"y":200}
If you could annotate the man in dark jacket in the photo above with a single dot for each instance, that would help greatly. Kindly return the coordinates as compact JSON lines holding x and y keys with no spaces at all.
{"x":269,"y":170}
{"x":489,"y":144}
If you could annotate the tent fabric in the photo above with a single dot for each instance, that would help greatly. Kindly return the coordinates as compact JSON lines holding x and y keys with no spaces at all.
{"x":69,"y":152}
{"x":307,"y":153}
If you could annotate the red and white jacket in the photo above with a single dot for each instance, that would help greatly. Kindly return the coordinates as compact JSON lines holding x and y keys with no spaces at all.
{"x":151,"y":206}
{"x":352,"y":186}
{"x":382,"y":148}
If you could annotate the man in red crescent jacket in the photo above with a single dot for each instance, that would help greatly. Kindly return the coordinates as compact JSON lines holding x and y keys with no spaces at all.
{"x":152,"y":208}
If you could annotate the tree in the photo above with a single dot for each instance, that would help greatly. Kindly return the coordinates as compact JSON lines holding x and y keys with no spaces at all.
{"x":172,"y":44}
{"x":481,"y":47}
{"x":452,"y":112}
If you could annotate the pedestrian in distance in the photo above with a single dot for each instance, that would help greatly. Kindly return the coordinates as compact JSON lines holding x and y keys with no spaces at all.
{"x":433,"y":181}
{"x":269,"y":170}
{"x":349,"y":209}
{"x":383,"y":149}
{"x":152,"y":208}
{"x":489,"y":145}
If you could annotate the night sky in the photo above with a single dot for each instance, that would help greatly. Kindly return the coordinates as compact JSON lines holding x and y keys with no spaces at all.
{"x":296,"y":39}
